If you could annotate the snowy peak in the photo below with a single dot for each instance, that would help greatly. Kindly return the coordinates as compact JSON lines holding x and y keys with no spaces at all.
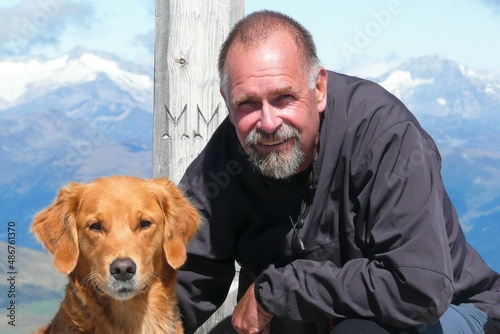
{"x":400,"y":81}
{"x":89,"y":88}
{"x":440,"y":72}
{"x":88,"y":114}
{"x":422,"y":70}
{"x":19,"y":78}
{"x":431,"y":66}
{"x":438,"y":87}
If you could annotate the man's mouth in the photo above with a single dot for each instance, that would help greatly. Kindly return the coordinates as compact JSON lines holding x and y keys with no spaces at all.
{"x":272,"y":142}
{"x":266,"y":142}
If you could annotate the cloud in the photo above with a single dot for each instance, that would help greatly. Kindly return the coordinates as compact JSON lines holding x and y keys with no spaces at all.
{"x":30,"y":24}
{"x":147,"y":40}
{"x":371,"y":68}
{"x":151,"y":7}
{"x":494,"y":4}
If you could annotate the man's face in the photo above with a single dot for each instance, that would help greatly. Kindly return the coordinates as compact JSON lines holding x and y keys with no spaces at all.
{"x":272,"y":106}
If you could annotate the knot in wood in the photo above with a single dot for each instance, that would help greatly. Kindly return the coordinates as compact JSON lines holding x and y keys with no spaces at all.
{"x":181,"y":61}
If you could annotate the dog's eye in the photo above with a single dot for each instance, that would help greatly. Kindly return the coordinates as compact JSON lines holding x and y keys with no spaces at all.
{"x":144,"y":224}
{"x":96,"y":227}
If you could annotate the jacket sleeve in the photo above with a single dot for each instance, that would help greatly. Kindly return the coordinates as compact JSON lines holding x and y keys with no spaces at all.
{"x":204,"y":280}
{"x":399,"y":212}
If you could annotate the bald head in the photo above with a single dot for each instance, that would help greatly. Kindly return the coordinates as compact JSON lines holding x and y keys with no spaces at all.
{"x":258,"y":27}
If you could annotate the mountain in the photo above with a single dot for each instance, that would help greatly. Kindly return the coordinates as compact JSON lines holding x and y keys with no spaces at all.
{"x":441,"y":89}
{"x":30,"y":266}
{"x":461,"y":111}
{"x":88,"y":114}
{"x":36,"y":288}
{"x":82,"y":115}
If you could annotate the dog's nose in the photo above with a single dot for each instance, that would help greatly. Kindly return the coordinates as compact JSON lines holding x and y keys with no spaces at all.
{"x":123,"y":269}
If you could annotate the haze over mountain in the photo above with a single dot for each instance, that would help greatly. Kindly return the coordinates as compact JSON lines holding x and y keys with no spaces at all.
{"x":88,"y":114}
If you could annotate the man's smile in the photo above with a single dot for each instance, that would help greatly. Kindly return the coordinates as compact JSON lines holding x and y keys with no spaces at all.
{"x":276,"y":141}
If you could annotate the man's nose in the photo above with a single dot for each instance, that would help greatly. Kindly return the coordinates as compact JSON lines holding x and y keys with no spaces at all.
{"x":270,"y":119}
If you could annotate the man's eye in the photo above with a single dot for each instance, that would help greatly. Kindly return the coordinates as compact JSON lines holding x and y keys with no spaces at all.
{"x":285,"y":96}
{"x":246,"y":103}
{"x":283,"y":100}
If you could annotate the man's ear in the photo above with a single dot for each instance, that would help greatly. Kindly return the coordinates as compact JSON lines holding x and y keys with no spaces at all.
{"x":222,"y":93}
{"x":321,"y":89}
{"x":55,"y":227}
{"x":228,"y":106}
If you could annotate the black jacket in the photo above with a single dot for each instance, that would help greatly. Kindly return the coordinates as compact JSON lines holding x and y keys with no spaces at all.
{"x":382,"y":239}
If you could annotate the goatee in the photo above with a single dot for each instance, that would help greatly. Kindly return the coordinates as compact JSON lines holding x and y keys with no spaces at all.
{"x":277,"y":165}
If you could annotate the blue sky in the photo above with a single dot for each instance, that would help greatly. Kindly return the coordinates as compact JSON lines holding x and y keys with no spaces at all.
{"x":350,"y":34}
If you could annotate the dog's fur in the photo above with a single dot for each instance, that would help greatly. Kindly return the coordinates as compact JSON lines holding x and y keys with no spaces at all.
{"x":145,"y":225}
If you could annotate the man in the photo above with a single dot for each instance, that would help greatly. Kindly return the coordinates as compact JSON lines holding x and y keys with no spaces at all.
{"x":327,"y":192}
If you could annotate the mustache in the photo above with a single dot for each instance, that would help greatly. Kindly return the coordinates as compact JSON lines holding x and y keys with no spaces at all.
{"x":283,"y":133}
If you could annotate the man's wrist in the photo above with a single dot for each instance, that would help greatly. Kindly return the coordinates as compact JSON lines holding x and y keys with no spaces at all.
{"x":261,"y":307}
{"x":261,"y":310}
{"x":269,"y":291}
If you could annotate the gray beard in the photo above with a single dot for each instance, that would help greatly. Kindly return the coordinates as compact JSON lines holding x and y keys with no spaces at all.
{"x":276,"y":165}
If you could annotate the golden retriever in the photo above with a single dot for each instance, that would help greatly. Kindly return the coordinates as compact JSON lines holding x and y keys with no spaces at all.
{"x":120,"y":240}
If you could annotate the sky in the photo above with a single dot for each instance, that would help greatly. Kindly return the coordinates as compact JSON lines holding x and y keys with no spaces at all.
{"x":355,"y":35}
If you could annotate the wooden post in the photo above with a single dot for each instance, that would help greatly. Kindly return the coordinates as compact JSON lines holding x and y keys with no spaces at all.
{"x":187,"y":103}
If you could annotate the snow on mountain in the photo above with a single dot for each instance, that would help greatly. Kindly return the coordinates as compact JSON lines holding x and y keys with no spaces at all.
{"x":88,"y":114}
{"x":99,"y":89}
{"x":400,"y":82}
{"x":441,"y":88}
{"x":73,"y":118}
{"x":452,"y":101}
{"x":461,"y":110}
{"x":34,"y":77}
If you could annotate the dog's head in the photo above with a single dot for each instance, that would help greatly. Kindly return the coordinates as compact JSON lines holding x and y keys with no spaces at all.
{"x":117,"y":233}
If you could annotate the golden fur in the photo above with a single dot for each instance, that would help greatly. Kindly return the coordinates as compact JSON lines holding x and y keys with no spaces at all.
{"x":120,"y":240}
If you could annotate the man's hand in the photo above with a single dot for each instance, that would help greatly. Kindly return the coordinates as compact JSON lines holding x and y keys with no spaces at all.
{"x":249,"y":317}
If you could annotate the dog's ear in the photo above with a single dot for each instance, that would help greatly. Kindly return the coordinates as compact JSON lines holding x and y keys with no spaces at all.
{"x":55,"y":228}
{"x":182,"y":221}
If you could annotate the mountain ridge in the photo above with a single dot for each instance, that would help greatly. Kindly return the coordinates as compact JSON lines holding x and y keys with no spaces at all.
{"x":82,"y":129}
